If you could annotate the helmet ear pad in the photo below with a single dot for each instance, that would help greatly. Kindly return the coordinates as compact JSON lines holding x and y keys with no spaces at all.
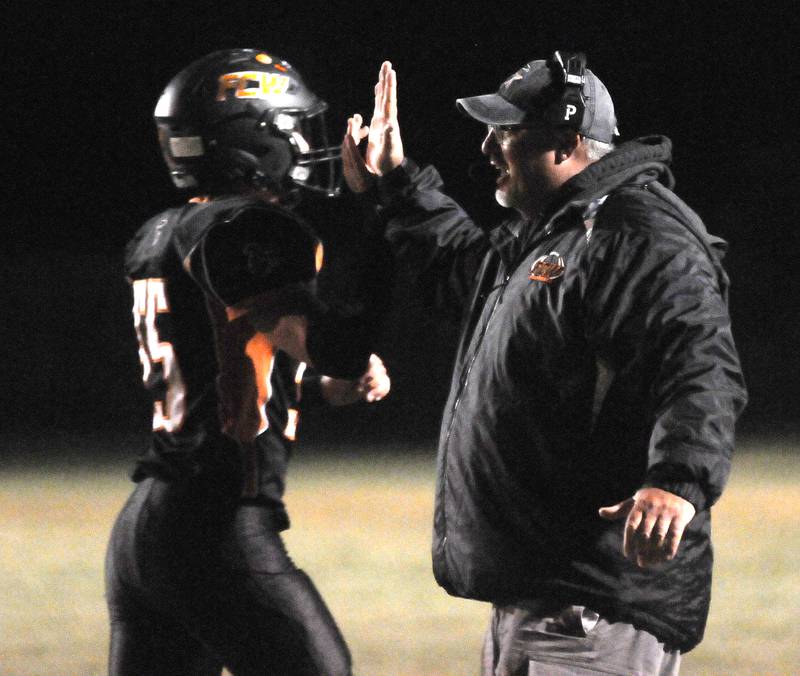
{"x":243,"y":149}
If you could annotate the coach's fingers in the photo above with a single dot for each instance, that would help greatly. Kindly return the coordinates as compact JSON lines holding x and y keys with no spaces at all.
{"x":380,"y":92}
{"x":386,"y":89}
{"x":618,"y":511}
{"x":642,"y":541}
{"x":656,"y":548}
{"x":629,"y":539}
{"x":660,"y":529}
{"x":376,"y":109}
{"x":615,"y":512}
{"x":651,"y":550}
{"x":391,"y":93}
{"x":675,"y":534}
{"x":670,"y":515}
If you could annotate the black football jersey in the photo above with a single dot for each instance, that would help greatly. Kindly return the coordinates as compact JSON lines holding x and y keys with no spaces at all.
{"x":224,"y":400}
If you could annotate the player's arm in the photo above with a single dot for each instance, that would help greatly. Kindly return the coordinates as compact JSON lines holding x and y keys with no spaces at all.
{"x":282,"y":315}
{"x":289,"y":332}
{"x":262,"y":265}
{"x":333,"y":343}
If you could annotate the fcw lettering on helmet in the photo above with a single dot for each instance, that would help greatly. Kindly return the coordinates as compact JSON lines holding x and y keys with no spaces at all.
{"x":266,"y":84}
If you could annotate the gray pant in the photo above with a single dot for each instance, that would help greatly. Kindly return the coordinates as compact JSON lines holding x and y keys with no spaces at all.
{"x":526,"y":640}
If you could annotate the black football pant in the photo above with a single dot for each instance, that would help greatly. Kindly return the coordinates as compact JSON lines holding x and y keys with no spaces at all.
{"x":194,"y":583}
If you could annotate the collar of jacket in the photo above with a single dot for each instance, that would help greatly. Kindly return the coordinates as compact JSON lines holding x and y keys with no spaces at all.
{"x":636,"y":162}
{"x":506,"y":241}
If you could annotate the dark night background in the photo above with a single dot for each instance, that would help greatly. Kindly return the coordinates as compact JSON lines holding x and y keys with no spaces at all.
{"x":83,"y":171}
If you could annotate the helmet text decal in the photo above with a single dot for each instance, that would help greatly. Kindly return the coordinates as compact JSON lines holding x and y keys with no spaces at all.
{"x":251,"y":84}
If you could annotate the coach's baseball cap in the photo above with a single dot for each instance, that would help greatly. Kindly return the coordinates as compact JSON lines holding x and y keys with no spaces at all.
{"x":527,"y":95}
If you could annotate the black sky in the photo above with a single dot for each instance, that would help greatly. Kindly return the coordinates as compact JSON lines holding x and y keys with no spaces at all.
{"x":83,"y":169}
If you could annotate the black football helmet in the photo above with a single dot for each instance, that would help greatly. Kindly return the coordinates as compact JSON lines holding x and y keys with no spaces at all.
{"x":244,"y":118}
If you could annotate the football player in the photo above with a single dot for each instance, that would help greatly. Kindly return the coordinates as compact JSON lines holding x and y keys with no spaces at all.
{"x":227,"y":317}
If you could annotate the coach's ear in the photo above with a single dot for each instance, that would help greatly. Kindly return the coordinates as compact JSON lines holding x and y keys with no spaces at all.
{"x":569,"y":144}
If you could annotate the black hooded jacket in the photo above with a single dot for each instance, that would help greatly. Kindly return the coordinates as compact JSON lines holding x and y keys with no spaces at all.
{"x":596,"y":358}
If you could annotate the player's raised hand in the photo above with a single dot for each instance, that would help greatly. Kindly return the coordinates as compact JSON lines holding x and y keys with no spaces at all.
{"x":655,"y":521}
{"x":354,"y":168}
{"x":384,"y":145}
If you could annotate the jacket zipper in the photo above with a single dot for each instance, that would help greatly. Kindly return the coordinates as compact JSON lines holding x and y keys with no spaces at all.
{"x":466,"y":372}
{"x":461,"y":388}
{"x":546,"y":232}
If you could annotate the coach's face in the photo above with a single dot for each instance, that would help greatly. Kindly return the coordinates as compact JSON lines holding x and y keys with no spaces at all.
{"x":526,"y":159}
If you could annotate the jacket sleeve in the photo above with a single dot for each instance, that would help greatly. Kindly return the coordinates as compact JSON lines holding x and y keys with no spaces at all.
{"x":655,"y":306}
{"x":436,"y":242}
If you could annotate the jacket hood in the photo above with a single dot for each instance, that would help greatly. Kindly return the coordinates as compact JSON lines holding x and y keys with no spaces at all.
{"x":636,"y":162}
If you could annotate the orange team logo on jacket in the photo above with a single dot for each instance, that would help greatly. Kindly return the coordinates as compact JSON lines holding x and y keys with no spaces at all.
{"x":547,"y":268}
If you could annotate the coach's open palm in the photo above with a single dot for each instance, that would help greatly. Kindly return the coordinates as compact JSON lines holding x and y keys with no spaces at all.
{"x":384,"y":145}
{"x":654,"y":523}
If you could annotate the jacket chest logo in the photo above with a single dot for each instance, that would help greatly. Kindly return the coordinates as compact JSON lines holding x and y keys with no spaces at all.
{"x":547,"y":268}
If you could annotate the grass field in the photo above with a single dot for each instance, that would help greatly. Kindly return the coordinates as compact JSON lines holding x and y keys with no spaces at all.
{"x":361,"y":529}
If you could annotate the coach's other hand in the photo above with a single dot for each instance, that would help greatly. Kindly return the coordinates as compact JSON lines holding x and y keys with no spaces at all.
{"x":384,"y":145}
{"x":654,"y":525}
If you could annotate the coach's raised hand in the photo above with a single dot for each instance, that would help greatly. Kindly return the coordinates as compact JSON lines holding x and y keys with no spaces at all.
{"x":384,"y":145}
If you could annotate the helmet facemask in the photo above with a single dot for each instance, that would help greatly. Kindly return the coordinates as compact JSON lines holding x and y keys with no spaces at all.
{"x":316,"y":166}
